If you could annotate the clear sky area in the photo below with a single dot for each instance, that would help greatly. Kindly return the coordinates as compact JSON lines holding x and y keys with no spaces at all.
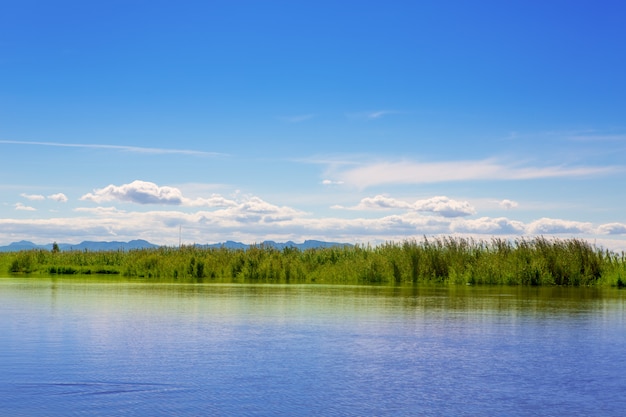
{"x":344,"y":121}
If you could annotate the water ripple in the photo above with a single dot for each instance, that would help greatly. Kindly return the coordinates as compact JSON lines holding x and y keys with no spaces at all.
{"x":94,"y":388}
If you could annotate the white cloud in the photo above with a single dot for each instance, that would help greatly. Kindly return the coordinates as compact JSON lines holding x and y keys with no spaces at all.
{"x":488,"y":225}
{"x":33,"y":197}
{"x":409,"y":172}
{"x":508,"y":204}
{"x":558,"y":226}
{"x":141,"y":192}
{"x":99,"y":210}
{"x":613,"y":229}
{"x":440,"y":205}
{"x":144,"y":192}
{"x":331,"y":182}
{"x":250,"y":211}
{"x":60,"y":197}
{"x":382,"y":202}
{"x":445,"y":207}
{"x":22,"y":207}
{"x":215,"y":200}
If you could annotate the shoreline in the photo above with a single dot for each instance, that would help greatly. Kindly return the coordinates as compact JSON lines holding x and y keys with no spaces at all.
{"x":534,"y":262}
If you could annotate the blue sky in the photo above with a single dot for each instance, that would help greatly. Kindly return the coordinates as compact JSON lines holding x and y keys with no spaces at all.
{"x":346,"y":121}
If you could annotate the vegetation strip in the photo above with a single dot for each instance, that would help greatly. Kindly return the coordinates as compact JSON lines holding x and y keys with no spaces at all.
{"x":537,"y":261}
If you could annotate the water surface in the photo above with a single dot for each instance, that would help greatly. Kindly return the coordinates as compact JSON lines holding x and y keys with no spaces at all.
{"x":88,"y":347}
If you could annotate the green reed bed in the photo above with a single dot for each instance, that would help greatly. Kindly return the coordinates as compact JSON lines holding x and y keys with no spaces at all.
{"x":537,"y":261}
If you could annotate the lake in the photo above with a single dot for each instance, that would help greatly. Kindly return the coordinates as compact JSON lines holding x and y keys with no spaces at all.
{"x":75,"y":346}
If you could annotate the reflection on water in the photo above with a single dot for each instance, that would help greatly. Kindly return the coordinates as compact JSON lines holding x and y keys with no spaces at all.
{"x":87,"y":347}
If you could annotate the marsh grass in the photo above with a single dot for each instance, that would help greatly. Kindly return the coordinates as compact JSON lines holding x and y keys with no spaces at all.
{"x":537,"y":261}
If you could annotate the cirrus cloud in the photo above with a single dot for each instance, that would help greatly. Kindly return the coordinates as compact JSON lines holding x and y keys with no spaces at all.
{"x":411,"y":172}
{"x":297,"y":118}
{"x":137,"y":149}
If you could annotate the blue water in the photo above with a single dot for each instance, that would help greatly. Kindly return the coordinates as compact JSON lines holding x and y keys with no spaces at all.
{"x":73,"y":348}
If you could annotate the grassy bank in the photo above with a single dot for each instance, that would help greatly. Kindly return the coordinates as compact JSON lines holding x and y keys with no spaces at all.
{"x":536,"y":261}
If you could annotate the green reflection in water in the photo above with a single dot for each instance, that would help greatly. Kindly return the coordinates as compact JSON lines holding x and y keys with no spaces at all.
{"x":297,"y":299}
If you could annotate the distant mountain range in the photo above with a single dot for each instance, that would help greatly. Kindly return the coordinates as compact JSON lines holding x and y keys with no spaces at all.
{"x":308,"y":244}
{"x":93,"y":246}
{"x":143,"y":244}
